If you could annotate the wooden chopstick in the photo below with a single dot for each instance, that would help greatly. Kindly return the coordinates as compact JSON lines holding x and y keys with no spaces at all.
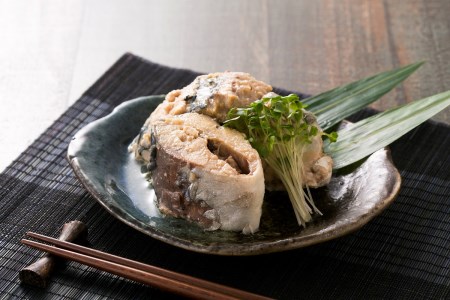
{"x":164,"y":279}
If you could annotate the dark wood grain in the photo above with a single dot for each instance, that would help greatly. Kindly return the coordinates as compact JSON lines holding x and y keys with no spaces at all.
{"x":52,"y":52}
{"x":335,"y":42}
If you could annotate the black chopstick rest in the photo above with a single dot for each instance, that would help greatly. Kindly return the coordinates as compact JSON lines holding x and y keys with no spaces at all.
{"x":38,"y":273}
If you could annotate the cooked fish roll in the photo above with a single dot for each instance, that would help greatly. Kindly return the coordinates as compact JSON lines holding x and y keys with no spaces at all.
{"x":213,"y":95}
{"x":204,"y":172}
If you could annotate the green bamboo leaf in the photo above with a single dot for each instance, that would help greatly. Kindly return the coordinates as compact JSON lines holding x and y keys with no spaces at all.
{"x":335,"y":105}
{"x":371,"y":134}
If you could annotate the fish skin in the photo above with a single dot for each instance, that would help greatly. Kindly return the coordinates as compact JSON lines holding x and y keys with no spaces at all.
{"x":192,"y":182}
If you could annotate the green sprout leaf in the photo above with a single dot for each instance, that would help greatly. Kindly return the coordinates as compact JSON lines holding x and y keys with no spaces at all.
{"x":279,"y":129}
{"x":270,"y":121}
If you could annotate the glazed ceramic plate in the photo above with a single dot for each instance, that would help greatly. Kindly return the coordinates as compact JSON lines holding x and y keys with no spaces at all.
{"x":99,"y":157}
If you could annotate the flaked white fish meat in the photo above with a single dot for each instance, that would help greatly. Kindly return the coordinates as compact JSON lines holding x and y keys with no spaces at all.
{"x":204,"y":172}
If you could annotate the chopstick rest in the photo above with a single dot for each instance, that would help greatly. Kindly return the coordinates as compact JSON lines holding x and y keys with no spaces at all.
{"x":38,"y":273}
{"x":163,"y":279}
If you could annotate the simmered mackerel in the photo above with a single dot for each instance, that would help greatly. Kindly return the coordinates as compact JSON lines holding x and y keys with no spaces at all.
{"x":204,"y":172}
{"x":213,"y":95}
{"x":209,"y":174}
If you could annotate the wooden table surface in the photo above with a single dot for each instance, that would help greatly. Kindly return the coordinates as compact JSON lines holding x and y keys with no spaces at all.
{"x":51,"y":50}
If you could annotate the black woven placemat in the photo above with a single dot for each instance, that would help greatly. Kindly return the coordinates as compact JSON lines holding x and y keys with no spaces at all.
{"x":401,"y":254}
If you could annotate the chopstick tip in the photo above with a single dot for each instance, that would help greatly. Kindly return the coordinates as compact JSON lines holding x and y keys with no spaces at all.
{"x":25,"y":241}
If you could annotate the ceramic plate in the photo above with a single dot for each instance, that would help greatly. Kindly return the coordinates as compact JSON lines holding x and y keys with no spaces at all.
{"x":99,"y":157}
